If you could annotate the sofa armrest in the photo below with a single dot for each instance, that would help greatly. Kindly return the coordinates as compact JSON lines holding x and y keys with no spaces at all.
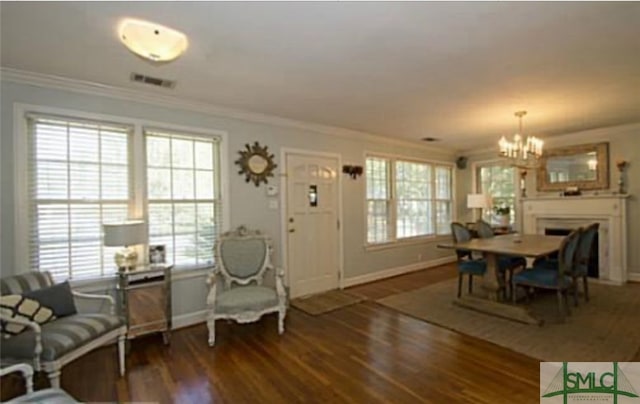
{"x":25,"y":369}
{"x":88,"y":296}
{"x":37,"y":332}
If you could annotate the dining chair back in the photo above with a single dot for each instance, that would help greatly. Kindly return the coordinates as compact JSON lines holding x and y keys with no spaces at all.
{"x":586,"y":247}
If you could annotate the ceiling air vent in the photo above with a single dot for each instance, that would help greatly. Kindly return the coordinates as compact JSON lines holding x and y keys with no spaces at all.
{"x":153,"y":81}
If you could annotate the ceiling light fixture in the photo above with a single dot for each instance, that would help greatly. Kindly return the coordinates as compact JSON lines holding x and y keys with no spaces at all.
{"x":522,"y":153}
{"x":152,"y":41}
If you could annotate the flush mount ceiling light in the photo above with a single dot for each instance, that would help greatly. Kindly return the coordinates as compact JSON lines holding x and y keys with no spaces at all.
{"x":152,"y":41}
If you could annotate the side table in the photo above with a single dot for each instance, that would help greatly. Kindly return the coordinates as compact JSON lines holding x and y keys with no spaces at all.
{"x":145,"y":298}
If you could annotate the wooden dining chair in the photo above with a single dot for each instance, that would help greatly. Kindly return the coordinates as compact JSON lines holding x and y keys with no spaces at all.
{"x":555,"y":279}
{"x":467,"y":265}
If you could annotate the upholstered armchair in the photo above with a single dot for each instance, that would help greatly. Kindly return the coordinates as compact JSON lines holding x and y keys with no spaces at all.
{"x":237,"y":291}
{"x":49,"y":345}
{"x":48,"y":396}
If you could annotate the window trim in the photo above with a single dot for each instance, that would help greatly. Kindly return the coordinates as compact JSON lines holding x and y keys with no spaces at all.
{"x":475,"y":187}
{"x":405,"y":241}
{"x":137,"y":173}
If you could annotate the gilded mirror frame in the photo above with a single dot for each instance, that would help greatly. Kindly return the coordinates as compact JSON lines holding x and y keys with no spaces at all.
{"x":256,"y":163}
{"x":602,"y":178}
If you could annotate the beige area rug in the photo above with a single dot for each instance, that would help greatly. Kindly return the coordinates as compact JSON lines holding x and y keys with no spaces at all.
{"x":325,"y":302}
{"x":605,"y":329}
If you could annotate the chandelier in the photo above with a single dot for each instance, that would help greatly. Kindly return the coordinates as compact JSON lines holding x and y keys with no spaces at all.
{"x":522,"y":153}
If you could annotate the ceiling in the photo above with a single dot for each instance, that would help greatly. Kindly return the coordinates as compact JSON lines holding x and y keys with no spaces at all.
{"x":455,"y":70}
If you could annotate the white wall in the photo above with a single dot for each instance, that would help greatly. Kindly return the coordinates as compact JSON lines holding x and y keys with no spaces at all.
{"x":624,"y":143}
{"x":248,"y":203}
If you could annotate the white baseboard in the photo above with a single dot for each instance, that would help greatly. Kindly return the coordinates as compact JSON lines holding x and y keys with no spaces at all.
{"x":188,"y":319}
{"x":634,"y":276}
{"x":388,"y":273}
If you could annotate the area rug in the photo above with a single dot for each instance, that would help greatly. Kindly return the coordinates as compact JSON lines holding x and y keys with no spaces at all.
{"x":605,"y":329}
{"x":325,"y":302}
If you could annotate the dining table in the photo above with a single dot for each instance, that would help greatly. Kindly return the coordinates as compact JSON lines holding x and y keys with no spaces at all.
{"x":520,"y":245}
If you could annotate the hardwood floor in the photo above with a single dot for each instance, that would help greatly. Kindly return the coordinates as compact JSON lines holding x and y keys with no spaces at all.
{"x":361,"y":353}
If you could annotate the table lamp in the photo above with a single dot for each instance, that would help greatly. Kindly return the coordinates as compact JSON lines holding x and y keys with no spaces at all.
{"x":478,"y":201}
{"x":125,"y":235}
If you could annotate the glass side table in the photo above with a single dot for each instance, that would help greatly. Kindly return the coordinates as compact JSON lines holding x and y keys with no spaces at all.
{"x":145,"y":299}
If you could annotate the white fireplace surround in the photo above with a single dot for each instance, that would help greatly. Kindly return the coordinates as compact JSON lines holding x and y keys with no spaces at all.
{"x":610,"y":211}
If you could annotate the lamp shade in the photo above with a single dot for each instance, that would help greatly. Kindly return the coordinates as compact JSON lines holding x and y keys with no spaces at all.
{"x":478,"y":201}
{"x":124,"y":234}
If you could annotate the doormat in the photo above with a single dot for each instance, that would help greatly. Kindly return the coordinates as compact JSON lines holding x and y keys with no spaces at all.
{"x":325,"y":302}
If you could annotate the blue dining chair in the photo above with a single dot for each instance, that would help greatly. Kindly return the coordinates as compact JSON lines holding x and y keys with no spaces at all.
{"x":467,"y":265}
{"x":558,"y":279}
{"x":507,"y":264}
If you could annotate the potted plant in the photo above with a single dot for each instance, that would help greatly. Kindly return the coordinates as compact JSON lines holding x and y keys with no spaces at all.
{"x":502,"y":215}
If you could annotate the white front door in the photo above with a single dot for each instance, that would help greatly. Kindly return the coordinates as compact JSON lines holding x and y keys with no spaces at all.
{"x":312,"y":223}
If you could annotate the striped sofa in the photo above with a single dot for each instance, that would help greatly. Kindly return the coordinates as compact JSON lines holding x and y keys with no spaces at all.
{"x":52,"y":345}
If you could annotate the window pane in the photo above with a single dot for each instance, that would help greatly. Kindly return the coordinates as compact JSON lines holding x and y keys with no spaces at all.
{"x":182,"y":198}
{"x":158,"y":151}
{"x":79,"y":179}
{"x":500,"y":183}
{"x":377,"y":221}
{"x":413,"y":192}
{"x":182,"y":153}
{"x":377,"y":178}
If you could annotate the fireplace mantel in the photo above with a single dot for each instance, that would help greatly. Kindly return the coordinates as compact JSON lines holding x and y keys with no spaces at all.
{"x":576,"y":211}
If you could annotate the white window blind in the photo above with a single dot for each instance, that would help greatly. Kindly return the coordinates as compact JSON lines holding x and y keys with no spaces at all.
{"x":78,"y":180}
{"x":407,"y":199}
{"x":183,"y":189}
{"x":378,"y":200}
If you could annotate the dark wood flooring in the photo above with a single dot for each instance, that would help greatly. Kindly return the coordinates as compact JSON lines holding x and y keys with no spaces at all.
{"x":364,"y":353}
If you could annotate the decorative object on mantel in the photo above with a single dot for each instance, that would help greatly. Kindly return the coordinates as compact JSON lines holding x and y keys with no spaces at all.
{"x":574,"y":166}
{"x":353,"y":171}
{"x":622,"y":165}
{"x":571,"y":191}
{"x":256,"y":163}
{"x":522,"y":153}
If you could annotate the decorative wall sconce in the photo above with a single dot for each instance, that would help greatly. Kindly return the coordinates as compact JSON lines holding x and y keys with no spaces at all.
{"x":353,"y":171}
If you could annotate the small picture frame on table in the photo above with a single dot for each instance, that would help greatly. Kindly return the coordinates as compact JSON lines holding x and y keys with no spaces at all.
{"x":157,"y":254}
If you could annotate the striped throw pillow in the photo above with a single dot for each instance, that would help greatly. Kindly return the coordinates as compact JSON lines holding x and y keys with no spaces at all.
{"x":18,"y":306}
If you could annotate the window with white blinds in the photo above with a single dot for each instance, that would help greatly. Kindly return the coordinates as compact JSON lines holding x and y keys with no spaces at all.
{"x":183,"y":190}
{"x":78,"y":179}
{"x":407,"y":199}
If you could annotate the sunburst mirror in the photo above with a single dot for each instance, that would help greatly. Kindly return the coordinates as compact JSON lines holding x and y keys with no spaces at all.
{"x":256,"y":163}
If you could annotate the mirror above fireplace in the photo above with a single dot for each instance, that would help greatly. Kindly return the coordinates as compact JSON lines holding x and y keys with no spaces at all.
{"x":584,"y":166}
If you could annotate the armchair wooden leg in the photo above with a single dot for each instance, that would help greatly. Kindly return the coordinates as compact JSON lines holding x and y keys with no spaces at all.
{"x":514,"y":295}
{"x":459,"y":284}
{"x":470,"y":283}
{"x":211,"y":325}
{"x":54,"y":378}
{"x":121,"y":349}
{"x":281,"y":315}
{"x":575,"y":291}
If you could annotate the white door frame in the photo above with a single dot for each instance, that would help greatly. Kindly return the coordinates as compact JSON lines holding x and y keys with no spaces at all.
{"x":284,"y":151}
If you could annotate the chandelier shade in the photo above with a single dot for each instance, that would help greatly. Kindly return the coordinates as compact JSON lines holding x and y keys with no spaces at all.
{"x":521,"y":152}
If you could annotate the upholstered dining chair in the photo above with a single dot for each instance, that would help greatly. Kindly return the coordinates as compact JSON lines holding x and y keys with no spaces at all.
{"x":237,"y":291}
{"x":586,"y":247}
{"x":51,"y":345}
{"x":506,"y":264}
{"x":558,"y":279}
{"x":467,"y":265}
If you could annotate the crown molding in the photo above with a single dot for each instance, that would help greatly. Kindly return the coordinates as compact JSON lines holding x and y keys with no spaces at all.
{"x":567,"y":139}
{"x":168,"y":101}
